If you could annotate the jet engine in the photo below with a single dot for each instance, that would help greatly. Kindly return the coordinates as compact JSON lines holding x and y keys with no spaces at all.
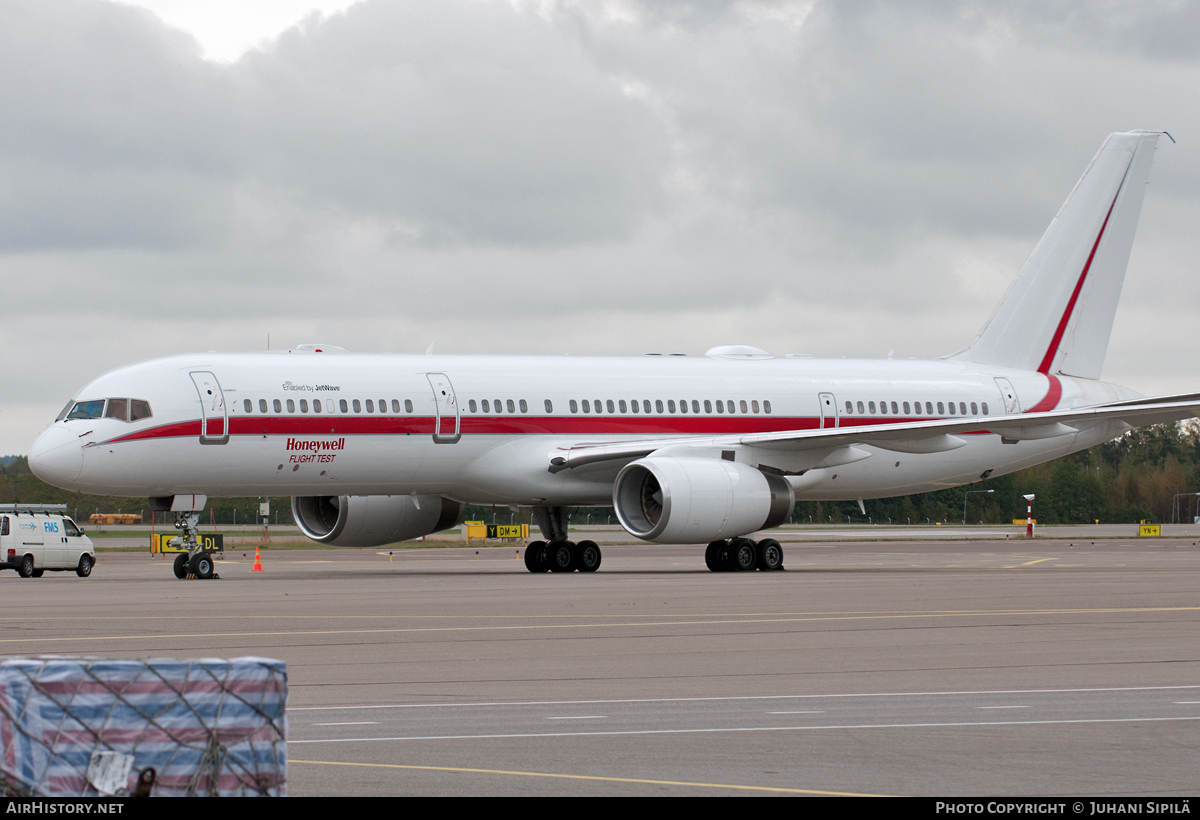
{"x":697,"y":500}
{"x":374,"y":520}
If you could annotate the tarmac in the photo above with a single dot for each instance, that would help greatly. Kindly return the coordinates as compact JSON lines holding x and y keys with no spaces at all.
{"x":922,"y":666}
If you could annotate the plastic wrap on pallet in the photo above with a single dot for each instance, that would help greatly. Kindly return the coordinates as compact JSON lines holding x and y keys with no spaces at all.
{"x":208,"y":726}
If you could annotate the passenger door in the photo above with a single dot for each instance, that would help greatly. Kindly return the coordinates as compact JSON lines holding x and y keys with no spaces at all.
{"x":1008,"y":397}
{"x":214,"y":415}
{"x":446,"y":423}
{"x":829,"y":414}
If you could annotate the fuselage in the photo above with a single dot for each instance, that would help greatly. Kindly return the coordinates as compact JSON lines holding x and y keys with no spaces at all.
{"x":482,"y":428}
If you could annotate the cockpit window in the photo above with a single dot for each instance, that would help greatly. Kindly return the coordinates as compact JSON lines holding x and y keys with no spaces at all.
{"x":65,"y":410}
{"x":139,"y":409}
{"x":117,"y":409}
{"x":92,"y":409}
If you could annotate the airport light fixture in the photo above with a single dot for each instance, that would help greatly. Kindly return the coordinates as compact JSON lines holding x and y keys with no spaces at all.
{"x":967,"y":493}
{"x":1029,"y":514}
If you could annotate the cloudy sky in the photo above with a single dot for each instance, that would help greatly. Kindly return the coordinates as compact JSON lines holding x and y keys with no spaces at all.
{"x":839,"y":179}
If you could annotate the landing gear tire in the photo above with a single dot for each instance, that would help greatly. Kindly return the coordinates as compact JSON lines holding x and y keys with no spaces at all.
{"x":770,"y":555}
{"x":537,"y":557}
{"x":85,"y":566}
{"x":181,"y":565}
{"x":743,"y":555}
{"x":562,"y":556}
{"x":201,"y":565}
{"x":714,"y":556}
{"x":25,"y":570}
{"x":589,"y":556}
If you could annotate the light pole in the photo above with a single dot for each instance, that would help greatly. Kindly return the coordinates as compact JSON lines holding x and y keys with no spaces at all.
{"x":1029,"y":514}
{"x":967,"y":493}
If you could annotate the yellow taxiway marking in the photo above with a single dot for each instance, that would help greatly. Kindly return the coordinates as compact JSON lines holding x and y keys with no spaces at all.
{"x":774,"y":789}
{"x":656,"y":623}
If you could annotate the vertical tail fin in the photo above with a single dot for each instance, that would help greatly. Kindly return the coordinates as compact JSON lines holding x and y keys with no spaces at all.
{"x":1057,"y":316}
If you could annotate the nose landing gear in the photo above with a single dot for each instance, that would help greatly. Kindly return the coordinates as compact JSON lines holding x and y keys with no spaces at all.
{"x":197,"y":562}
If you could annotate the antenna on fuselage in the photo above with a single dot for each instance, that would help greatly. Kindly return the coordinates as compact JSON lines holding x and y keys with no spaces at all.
{"x":429,"y":352}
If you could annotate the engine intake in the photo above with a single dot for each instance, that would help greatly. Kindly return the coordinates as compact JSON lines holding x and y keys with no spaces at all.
{"x":374,"y":520}
{"x":697,"y":500}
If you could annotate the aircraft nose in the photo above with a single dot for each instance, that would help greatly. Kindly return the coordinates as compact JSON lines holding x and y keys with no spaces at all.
{"x":56,"y":457}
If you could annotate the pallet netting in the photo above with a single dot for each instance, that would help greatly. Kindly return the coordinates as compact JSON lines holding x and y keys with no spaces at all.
{"x":207,"y":727}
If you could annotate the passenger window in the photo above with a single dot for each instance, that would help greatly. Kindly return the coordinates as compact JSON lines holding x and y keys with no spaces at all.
{"x":974,"y":409}
{"x":512,"y":408}
{"x":860,"y":408}
{"x":523,"y":405}
{"x":895,"y":409}
{"x":766,"y":406}
{"x":408,"y":408}
{"x":720,"y":406}
{"x":317,"y":405}
{"x":670,"y":405}
{"x":599,"y":405}
{"x":549,"y":406}
{"x":743,"y":403}
{"x":929,"y":408}
{"x":248,"y":405}
{"x":941,"y":409}
{"x":383,"y":405}
{"x":754,"y":405}
{"x":695,"y":406}
{"x":574,"y":406}
{"x":871,"y":407}
{"x":303,"y":405}
{"x":633,"y":405}
{"x":611,"y":407}
{"x":262,"y":405}
{"x":278,"y":406}
{"x":343,"y":406}
{"x":396,"y":406}
{"x":962,"y":408}
{"x":646,"y":406}
{"x":683,"y":406}
{"x":849,"y":407}
{"x":906,"y":410}
{"x":883,"y":407}
{"x":621,"y":406}
{"x":587,"y":407}
{"x":487,"y":407}
{"x":291,"y":406}
{"x":370,"y":406}
{"x":951,"y":405}
{"x":707,"y":406}
{"x":357,"y":406}
{"x":4,"y":526}
{"x":471,"y":404}
{"x":917,"y":407}
{"x":658,"y":405}
{"x":985,"y":410}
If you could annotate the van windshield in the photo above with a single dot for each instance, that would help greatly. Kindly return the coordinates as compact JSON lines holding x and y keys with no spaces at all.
{"x":93,"y":409}
{"x":69,"y":528}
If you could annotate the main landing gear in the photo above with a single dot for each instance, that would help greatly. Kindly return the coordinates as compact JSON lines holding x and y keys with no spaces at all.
{"x":196,"y":562}
{"x":743,"y":555}
{"x":556,"y":553}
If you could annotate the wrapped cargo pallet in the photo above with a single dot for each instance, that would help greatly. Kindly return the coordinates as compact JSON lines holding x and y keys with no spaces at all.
{"x":87,"y":727}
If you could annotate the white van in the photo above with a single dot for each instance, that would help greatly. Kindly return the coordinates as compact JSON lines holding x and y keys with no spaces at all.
{"x":38,"y":537}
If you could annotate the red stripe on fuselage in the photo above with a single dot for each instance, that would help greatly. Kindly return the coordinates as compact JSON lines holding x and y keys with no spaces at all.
{"x":1050,"y":400}
{"x":507,"y":425}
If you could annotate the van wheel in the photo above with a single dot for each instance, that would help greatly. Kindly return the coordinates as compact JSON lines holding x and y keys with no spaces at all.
{"x":181,"y":565}
{"x":38,"y":573}
{"x":85,"y":566}
{"x":26,"y":568}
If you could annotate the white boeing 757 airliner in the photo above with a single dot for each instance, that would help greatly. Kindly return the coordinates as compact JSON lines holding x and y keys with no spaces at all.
{"x":376,"y":449}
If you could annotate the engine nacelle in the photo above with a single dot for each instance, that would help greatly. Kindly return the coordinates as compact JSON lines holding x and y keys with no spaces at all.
{"x":374,"y":520}
{"x":697,"y":500}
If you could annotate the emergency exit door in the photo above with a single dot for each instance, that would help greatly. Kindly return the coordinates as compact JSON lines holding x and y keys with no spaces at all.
{"x":446,"y":422}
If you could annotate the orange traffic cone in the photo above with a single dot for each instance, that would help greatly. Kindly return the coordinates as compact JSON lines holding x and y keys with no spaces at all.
{"x":257,"y":561}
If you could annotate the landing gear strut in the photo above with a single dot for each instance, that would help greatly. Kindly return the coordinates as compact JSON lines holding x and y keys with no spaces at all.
{"x":743,"y":555}
{"x":197,"y":562}
{"x":556,"y":553}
